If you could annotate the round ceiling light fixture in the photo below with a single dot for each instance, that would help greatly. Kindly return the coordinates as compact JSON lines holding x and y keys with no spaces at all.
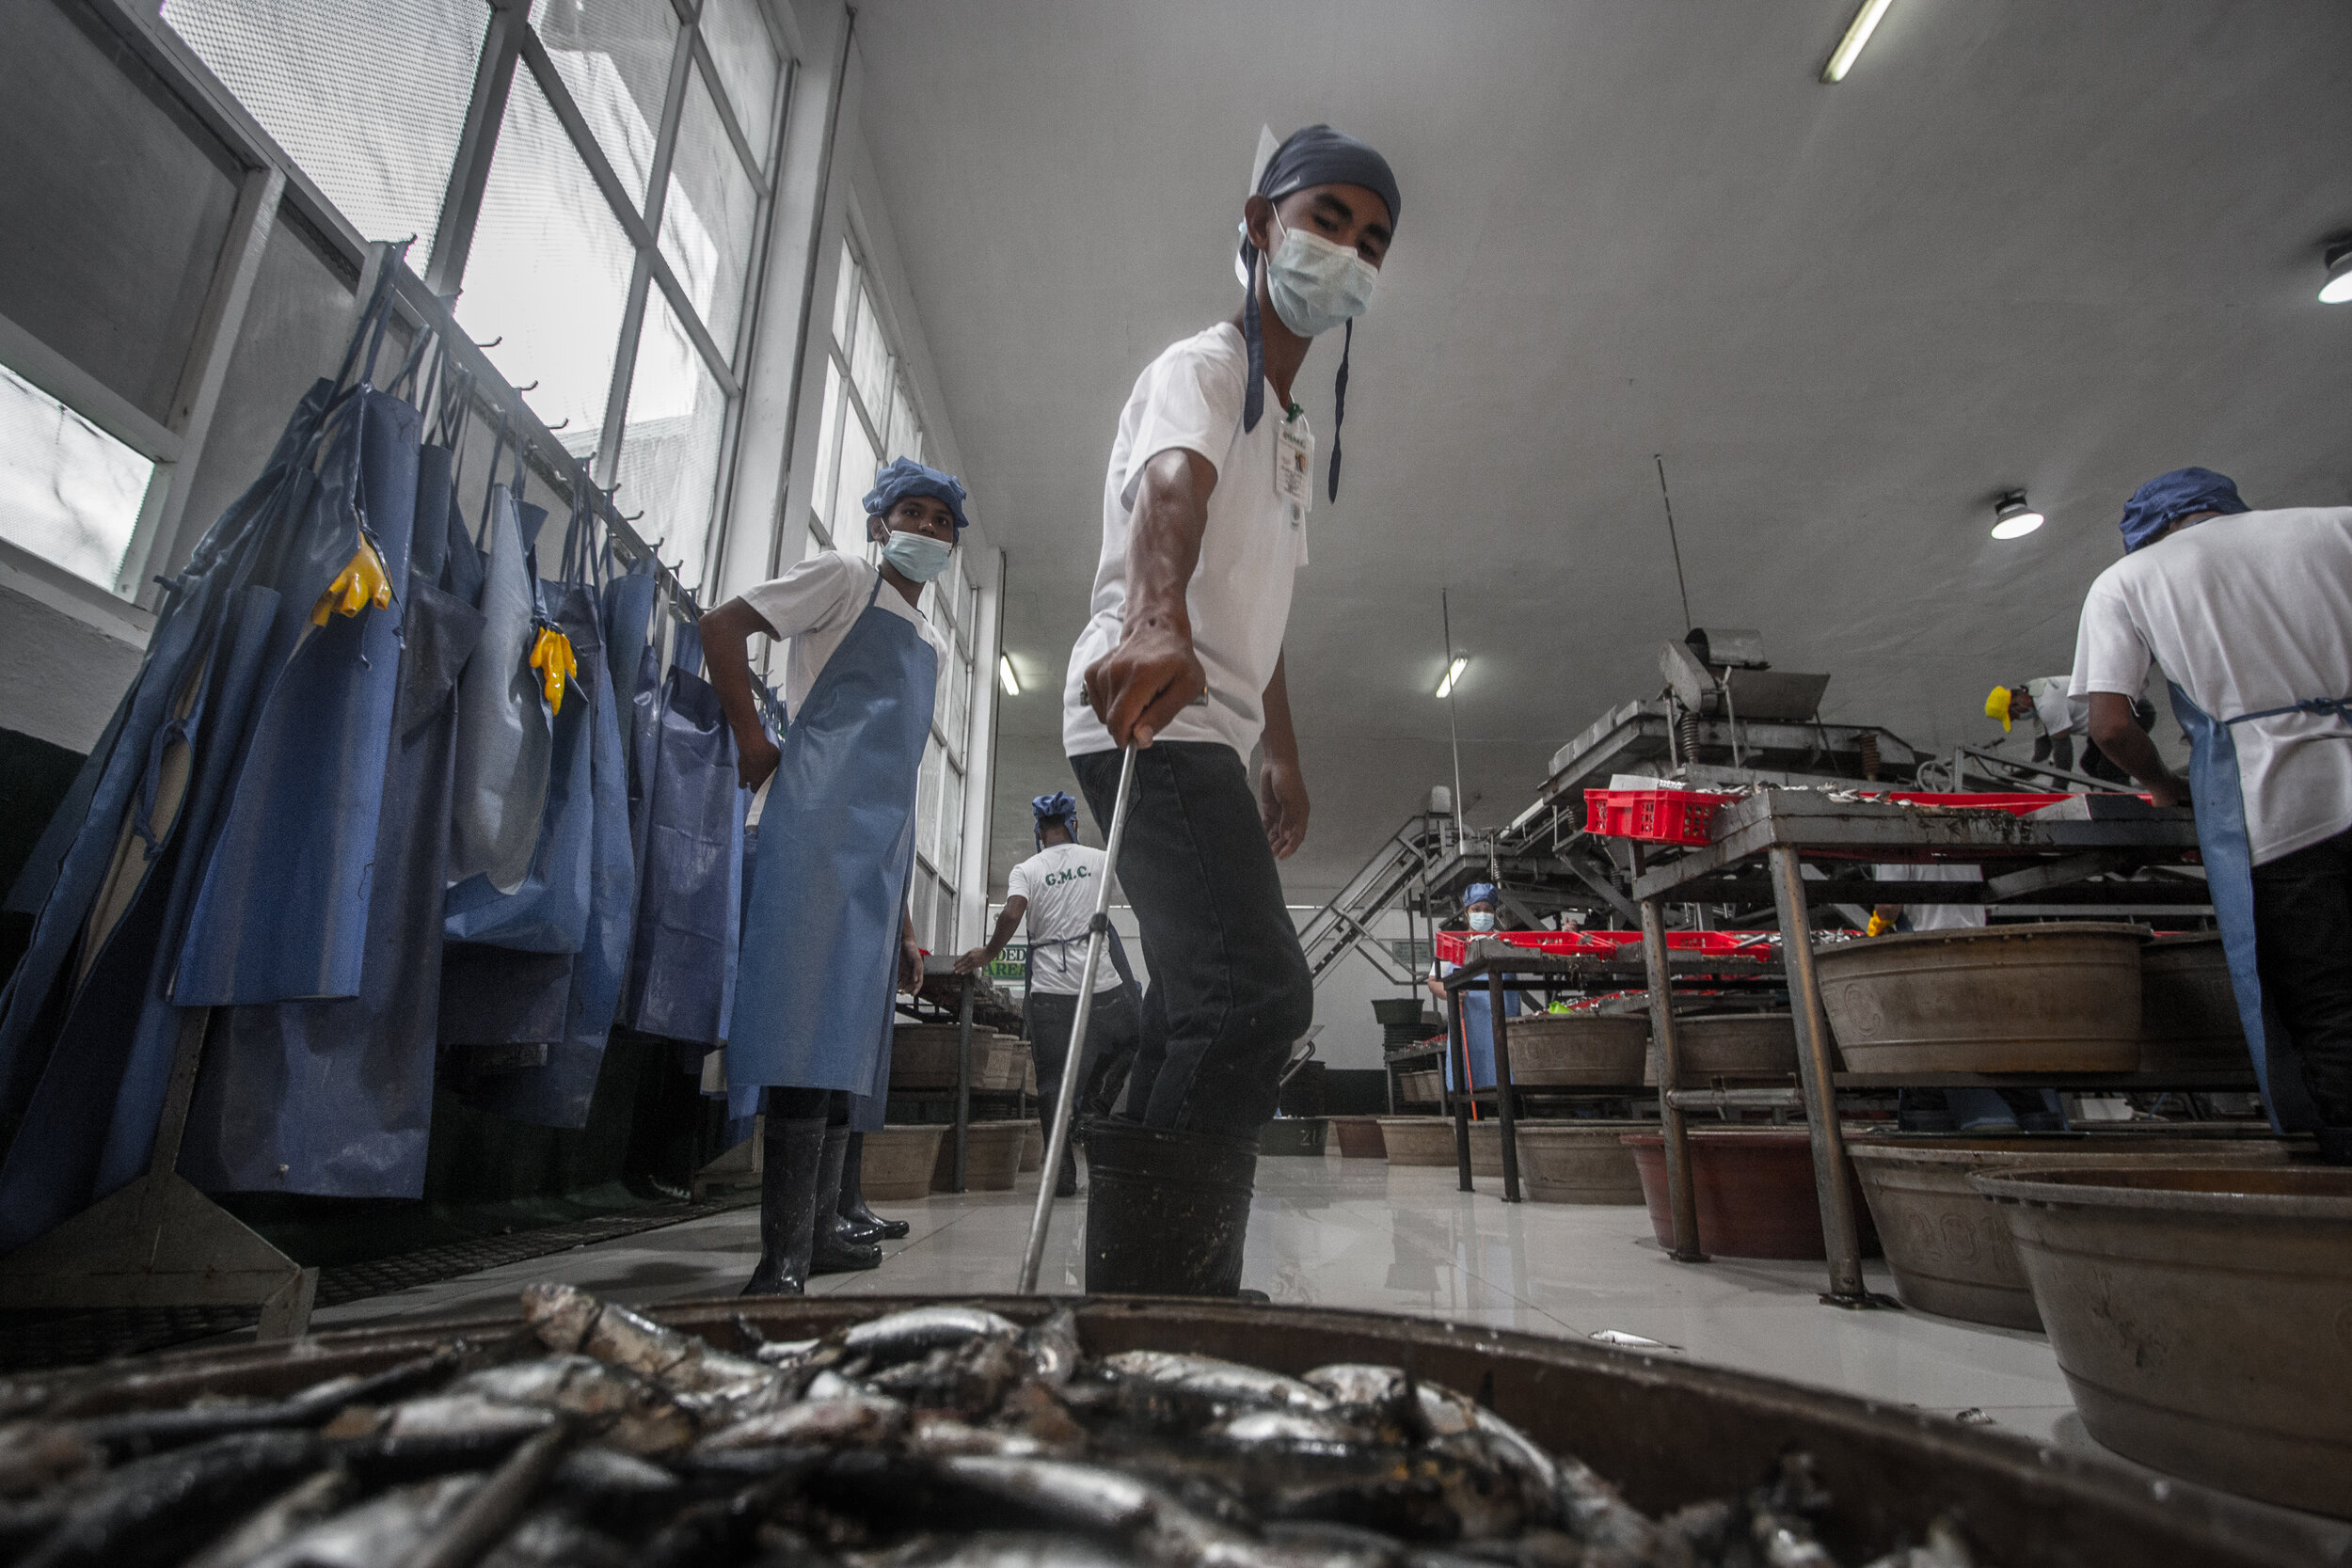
{"x":2012,"y":518}
{"x":2338,"y":290}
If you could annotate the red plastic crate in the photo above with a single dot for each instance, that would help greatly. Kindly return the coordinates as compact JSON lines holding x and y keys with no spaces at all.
{"x":1452,"y":945}
{"x":1653,"y":816}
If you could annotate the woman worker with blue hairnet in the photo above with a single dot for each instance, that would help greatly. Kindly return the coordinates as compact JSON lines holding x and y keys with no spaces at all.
{"x":826,"y":931}
{"x":1054,"y":891}
{"x":1478,"y":1019}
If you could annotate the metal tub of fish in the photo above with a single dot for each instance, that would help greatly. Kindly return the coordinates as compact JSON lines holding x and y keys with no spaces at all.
{"x":1731,"y":1050}
{"x":1578,"y":1050}
{"x":2203,"y":1316}
{"x":896,"y":1164}
{"x":1950,"y":1247}
{"x":869,"y":1432}
{"x":2059,"y":996}
{"x":2189,"y":1015}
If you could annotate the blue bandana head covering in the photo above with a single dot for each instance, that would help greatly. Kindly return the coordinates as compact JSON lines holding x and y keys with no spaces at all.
{"x":1478,"y":892}
{"x":903,"y":477}
{"x":1055,"y":808}
{"x":1317,"y":155}
{"x":2168,"y":498}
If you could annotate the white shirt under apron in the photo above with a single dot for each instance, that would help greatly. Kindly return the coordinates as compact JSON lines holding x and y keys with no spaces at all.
{"x":2244,"y":612}
{"x":811,"y":609}
{"x":1060,"y":885}
{"x":1239,"y":599}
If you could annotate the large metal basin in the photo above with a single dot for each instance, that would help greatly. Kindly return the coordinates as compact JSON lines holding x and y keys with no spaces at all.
{"x":1730,"y":1050}
{"x":1950,"y":1247}
{"x":1419,"y":1140}
{"x":2203,"y":1316}
{"x":2188,"y":1014}
{"x":2056,"y":997}
{"x":1669,"y":1433}
{"x":1578,"y":1050}
{"x":1580,"y":1162}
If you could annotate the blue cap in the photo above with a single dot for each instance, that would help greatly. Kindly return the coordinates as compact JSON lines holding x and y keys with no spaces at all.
{"x":2168,"y":498}
{"x":902,"y":477}
{"x":1478,"y":892}
{"x":1056,"y":807}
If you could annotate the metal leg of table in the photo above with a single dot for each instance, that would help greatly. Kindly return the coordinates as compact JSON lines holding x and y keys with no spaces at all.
{"x":1461,"y":1098}
{"x":1838,"y":1231}
{"x":1502,"y":1090}
{"x":1682,"y":1197}
{"x":963,"y":1085}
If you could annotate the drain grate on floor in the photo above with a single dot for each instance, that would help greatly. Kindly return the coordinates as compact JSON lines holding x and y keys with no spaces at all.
{"x":34,"y":1340}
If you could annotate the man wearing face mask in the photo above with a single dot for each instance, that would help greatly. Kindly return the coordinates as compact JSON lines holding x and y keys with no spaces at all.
{"x":1478,"y":1020}
{"x":1204,"y":522}
{"x":825,"y":927}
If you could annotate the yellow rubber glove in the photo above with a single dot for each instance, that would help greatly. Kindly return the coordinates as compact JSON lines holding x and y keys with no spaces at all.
{"x":551,"y":655}
{"x":1879,"y":925}
{"x":362,"y":583}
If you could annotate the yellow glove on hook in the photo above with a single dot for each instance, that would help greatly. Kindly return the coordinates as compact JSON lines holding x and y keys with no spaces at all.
{"x":1879,"y":925}
{"x":362,"y":583}
{"x":552,"y":657}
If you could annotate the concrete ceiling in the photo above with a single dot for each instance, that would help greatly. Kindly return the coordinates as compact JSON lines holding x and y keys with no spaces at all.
{"x":2057,"y":247}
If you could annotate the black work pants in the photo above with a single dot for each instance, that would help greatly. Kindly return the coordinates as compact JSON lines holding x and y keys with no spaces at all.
{"x":1229,"y":990}
{"x":1112,"y":1038}
{"x":787,"y":1102}
{"x":2303,"y":948}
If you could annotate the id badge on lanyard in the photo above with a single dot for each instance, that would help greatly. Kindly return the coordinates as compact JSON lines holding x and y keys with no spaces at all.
{"x":1294,"y":465}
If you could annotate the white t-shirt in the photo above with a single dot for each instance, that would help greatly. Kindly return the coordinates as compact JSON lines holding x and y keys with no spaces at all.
{"x":2055,"y":708}
{"x":2244,"y":612}
{"x":1060,"y":885}
{"x":811,"y":608}
{"x":1936,"y":917}
{"x":1255,"y":541}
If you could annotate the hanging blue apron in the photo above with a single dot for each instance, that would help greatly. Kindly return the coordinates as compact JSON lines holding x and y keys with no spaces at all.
{"x":2212,"y":779}
{"x":837,"y":845}
{"x":689,"y":824}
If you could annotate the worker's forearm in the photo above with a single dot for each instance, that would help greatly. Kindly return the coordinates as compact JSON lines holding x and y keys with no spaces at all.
{"x":1163,"y":539}
{"x":1281,"y":742}
{"x":1006,"y":923}
{"x":726,"y":634}
{"x":2126,"y":745}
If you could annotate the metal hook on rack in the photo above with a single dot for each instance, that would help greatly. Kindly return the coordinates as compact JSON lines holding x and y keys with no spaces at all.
{"x":553,"y":428}
{"x":493,"y":343}
{"x":533,"y":388}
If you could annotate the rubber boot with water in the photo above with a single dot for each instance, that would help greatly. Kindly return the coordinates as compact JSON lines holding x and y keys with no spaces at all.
{"x":835,"y":1251}
{"x":791,"y":1156}
{"x":864,"y":1223}
{"x":1167,"y":1211}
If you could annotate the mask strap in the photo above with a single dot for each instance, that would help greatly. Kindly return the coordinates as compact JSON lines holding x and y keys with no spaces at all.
{"x":1338,"y":406}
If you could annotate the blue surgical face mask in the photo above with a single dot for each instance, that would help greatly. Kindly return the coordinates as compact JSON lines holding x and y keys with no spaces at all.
{"x":1316,"y":284}
{"x":918,"y":557}
{"x":1482,"y":920}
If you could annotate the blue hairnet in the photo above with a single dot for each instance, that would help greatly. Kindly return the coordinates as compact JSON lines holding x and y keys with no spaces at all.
{"x":903,"y":477}
{"x":1314,"y":155}
{"x":1478,"y":892}
{"x":2168,"y":498}
{"x":1056,"y":807}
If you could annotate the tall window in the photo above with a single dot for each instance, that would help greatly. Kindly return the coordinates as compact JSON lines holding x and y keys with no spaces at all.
{"x":868,"y":418}
{"x":608,"y":258}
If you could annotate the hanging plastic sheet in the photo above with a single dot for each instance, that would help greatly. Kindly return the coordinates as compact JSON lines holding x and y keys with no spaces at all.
{"x":282,"y":911}
{"x":505,"y":736}
{"x":336,"y":1098}
{"x":689,"y":907}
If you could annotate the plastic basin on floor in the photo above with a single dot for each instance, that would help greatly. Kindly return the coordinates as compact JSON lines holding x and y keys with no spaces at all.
{"x":2188,"y":1014}
{"x":1731,"y":1049}
{"x":1754,"y":1192}
{"x":1578,"y":1050}
{"x":1949,"y":1246}
{"x":1419,"y":1087}
{"x":896,"y":1164}
{"x":2203,"y":1316}
{"x":992,"y":1157}
{"x":1360,"y":1138}
{"x":1579,"y":1162}
{"x":2061,"y":996}
{"x":923,"y":1056}
{"x":1417,"y":1140}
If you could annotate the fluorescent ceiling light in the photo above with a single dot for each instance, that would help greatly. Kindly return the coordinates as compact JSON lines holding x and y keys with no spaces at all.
{"x":1452,"y":673}
{"x":1841,"y":59}
{"x":2012,"y":518}
{"x":2339,"y":287}
{"x":1003,"y":673}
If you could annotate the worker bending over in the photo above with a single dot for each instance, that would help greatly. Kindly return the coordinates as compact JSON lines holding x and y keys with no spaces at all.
{"x":1053,"y":890}
{"x":2058,"y":716}
{"x":825,"y":931}
{"x":2249,"y":613}
{"x":1204,"y":522}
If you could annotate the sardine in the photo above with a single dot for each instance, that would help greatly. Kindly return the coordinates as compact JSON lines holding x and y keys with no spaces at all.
{"x":425,"y":1436}
{"x":554,"y":1536}
{"x":387,"y":1530}
{"x":937,"y":1433}
{"x":156,"y":1510}
{"x":36,"y":1455}
{"x":993,"y":1549}
{"x":277,"y":1521}
{"x":902,"y":1335}
{"x":137,"y":1433}
{"x":1032,"y":1410}
{"x":1053,"y":1347}
{"x":1291,"y":1430}
{"x":970,"y":1377}
{"x":1205,"y":1377}
{"x":568,"y":1320}
{"x":1946,"y":1547}
{"x":630,"y":1412}
{"x":860,"y":1421}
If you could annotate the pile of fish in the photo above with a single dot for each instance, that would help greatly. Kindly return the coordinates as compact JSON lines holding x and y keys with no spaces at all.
{"x":942,"y":1436}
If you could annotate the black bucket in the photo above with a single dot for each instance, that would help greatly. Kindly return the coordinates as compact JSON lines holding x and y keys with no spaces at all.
{"x":1167,"y":1211}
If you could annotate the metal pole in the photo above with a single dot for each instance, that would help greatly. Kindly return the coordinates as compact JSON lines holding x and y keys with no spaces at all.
{"x":1682,"y":1197}
{"x":1457,"y":1044}
{"x":1502,"y":1088}
{"x":1074,"y":1058}
{"x":1820,"y":1098}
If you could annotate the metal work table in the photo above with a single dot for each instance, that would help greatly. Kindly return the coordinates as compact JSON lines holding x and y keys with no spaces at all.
{"x":2042,"y":860}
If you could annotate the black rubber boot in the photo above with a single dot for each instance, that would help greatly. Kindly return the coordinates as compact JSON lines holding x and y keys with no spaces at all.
{"x":1167,"y":1211}
{"x":864,"y":1223}
{"x":835,"y":1251}
{"x":791,"y":1156}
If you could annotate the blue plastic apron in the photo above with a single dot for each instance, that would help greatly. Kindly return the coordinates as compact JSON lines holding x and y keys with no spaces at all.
{"x":1478,"y":1033}
{"x":689,"y":883}
{"x":837,"y":845}
{"x":2212,"y":778}
{"x":504,"y":734}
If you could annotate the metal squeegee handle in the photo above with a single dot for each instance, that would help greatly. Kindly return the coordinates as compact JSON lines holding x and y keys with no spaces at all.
{"x":1074,"y":1057}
